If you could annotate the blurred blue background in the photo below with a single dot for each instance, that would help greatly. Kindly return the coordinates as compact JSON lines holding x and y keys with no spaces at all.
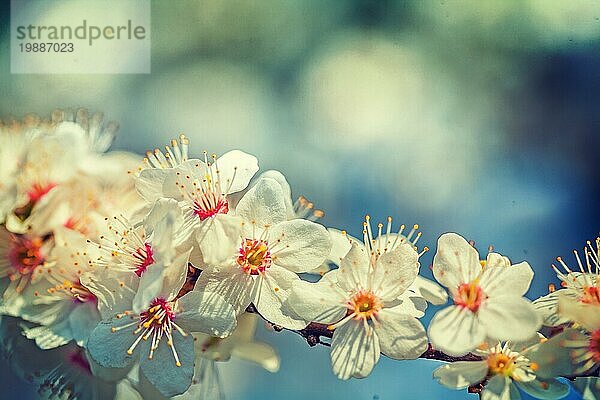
{"x":475,"y":117}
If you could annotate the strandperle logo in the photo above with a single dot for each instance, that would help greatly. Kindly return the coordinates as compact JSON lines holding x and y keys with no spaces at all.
{"x":80,"y":36}
{"x":84,"y":31}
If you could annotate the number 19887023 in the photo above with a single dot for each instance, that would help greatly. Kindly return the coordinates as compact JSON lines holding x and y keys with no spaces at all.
{"x":46,"y":47}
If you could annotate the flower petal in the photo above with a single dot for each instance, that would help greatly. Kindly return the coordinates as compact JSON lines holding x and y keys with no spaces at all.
{"x":401,"y":336}
{"x":513,"y":280}
{"x":259,"y":353}
{"x":456,"y":331}
{"x":285,"y":187}
{"x":206,"y":312}
{"x":550,"y":389}
{"x":270,"y":293}
{"x":461,"y":374}
{"x":509,"y":318}
{"x":354,"y":350}
{"x":235,"y":169}
{"x":395,"y":271}
{"x":299,"y":245}
{"x":108,"y":348}
{"x":547,"y":307}
{"x":500,"y":387}
{"x":161,"y":371}
{"x":354,"y":269}
{"x":554,"y":358}
{"x":263,"y":204}
{"x":456,"y":261}
{"x":149,"y":184}
{"x":219,"y":238}
{"x":321,"y":302}
{"x":585,"y":314}
{"x":231,"y":283}
{"x":429,"y":290}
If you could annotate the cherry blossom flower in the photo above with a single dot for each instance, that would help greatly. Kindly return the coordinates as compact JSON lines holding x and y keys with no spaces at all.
{"x":158,"y":335}
{"x":147,"y":250}
{"x":261,"y":255}
{"x":575,"y":350}
{"x":202,"y":187}
{"x":58,"y":303}
{"x":421,"y":288}
{"x":21,"y":259}
{"x":361,"y":302}
{"x":503,"y":369}
{"x":488,"y":298}
{"x":582,"y":285}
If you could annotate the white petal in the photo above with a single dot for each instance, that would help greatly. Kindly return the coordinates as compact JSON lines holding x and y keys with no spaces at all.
{"x":340,"y":245}
{"x":149,"y":288}
{"x":499,"y":387}
{"x":263,"y":204}
{"x":114,"y":290}
{"x":235,"y":286}
{"x":51,"y":336}
{"x":82,"y":321}
{"x":302,"y":246}
{"x":285,"y":187}
{"x":395,"y":271}
{"x":259,"y":353}
{"x":219,"y":238}
{"x":321,"y":302}
{"x":429,"y":290}
{"x":461,"y":374}
{"x":401,"y":336}
{"x":509,"y":318}
{"x":456,"y":261}
{"x":109,"y":349}
{"x":553,"y":358}
{"x":166,"y":212}
{"x":161,"y":371}
{"x":149,"y":183}
{"x":496,"y":260}
{"x":354,"y":269}
{"x":547,"y":307}
{"x":514,"y":280}
{"x":174,"y":275}
{"x":544,"y":389}
{"x":585,"y":314}
{"x":206,"y":312}
{"x":456,"y":331}
{"x":354,"y":350}
{"x":271,"y":292}
{"x":235,"y":168}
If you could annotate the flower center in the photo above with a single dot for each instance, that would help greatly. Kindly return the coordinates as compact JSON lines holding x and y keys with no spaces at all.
{"x":38,"y":190}
{"x":209,"y":204}
{"x":254,"y":256}
{"x":145,"y":256}
{"x":75,"y":289}
{"x":500,"y":364}
{"x":469,"y":296}
{"x":364,"y":305}
{"x":595,"y":345}
{"x":157,"y":321}
{"x":24,"y":255}
{"x":591,"y":295}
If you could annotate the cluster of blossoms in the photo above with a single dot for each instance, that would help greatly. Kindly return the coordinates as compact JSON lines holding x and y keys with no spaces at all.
{"x":127,"y":278}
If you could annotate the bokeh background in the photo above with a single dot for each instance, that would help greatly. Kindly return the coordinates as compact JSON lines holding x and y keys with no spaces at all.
{"x":479,"y":117}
